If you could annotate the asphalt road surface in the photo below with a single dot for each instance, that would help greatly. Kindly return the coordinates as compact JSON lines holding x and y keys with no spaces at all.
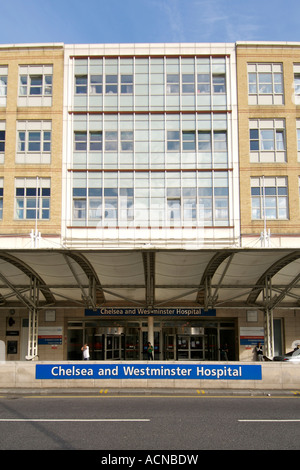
{"x":154,"y":423}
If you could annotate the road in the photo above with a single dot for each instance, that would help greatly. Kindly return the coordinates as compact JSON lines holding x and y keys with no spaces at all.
{"x":167,"y":422}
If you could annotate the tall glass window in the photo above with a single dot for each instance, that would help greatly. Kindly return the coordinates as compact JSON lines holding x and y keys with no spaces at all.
{"x":265,"y":84}
{"x":269,"y":196}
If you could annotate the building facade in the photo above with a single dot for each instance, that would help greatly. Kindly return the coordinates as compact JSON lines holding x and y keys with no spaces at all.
{"x":151,"y":145}
{"x":268,"y":96}
{"x":31,"y":103}
{"x":158,"y":189}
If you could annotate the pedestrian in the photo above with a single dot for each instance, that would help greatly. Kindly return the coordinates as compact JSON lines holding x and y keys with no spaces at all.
{"x":224,"y":352}
{"x":259,"y":352}
{"x":85,"y":352}
{"x":150,"y":351}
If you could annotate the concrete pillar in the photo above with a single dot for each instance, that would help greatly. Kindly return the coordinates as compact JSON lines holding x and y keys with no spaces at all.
{"x":151,"y":330}
{"x":2,"y":351}
{"x":269,"y":335}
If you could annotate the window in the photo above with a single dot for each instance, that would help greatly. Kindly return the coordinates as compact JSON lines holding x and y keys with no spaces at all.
{"x":32,"y":198}
{"x":94,"y":76}
{"x":182,"y":204}
{"x":95,"y":141}
{"x":269,"y":197}
{"x":111,"y":203}
{"x":35,"y":85}
{"x":213,"y":198}
{"x":126,"y":204}
{"x":79,"y":203}
{"x":173,"y":204}
{"x":103,"y":205}
{"x":204,"y":141}
{"x":33,"y":142}
{"x":126,"y":141}
{"x":111,"y":84}
{"x":94,"y":204}
{"x":3,"y":81}
{"x":203,"y":83}
{"x":189,"y":198}
{"x":207,"y":141}
{"x":267,"y":141}
{"x":218,"y":82}
{"x":265,"y":84}
{"x":2,"y":141}
{"x":126,"y":84}
{"x":298,"y":138}
{"x":173,"y":141}
{"x":172,"y":83}
{"x":81,"y":143}
{"x":35,"y":81}
{"x":188,"y":141}
{"x":111,"y":141}
{"x":1,"y":198}
{"x":297,"y":83}
{"x":220,"y":141}
{"x":96,"y":84}
{"x":188,"y":83}
{"x":81,"y":84}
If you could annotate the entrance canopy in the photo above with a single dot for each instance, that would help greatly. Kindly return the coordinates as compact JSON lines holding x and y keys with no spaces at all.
{"x":230,"y":278}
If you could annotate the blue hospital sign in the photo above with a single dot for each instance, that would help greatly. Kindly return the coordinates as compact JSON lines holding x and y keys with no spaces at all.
{"x":149,"y":371}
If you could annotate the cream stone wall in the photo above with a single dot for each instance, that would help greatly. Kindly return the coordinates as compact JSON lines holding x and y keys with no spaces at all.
{"x":275,"y":376}
{"x":286,"y":54}
{"x":13,"y":57}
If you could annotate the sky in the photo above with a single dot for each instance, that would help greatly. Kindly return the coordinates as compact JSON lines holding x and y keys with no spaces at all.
{"x":148,"y":21}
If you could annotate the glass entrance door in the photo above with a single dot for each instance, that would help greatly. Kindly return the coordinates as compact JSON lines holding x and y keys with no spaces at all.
{"x":170,"y":347}
{"x":132,"y":344}
{"x":190,"y":347}
{"x":211,"y":344}
{"x":114,"y":347}
{"x":105,"y":345}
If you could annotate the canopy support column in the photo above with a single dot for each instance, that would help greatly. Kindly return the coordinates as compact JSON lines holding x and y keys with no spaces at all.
{"x":268,"y":318}
{"x":269,"y":336}
{"x":32,"y":351}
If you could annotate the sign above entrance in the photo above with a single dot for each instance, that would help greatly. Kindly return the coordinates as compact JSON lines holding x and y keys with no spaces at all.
{"x":149,"y":371}
{"x":144,"y":312}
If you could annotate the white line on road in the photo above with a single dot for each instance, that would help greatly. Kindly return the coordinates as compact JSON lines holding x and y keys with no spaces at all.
{"x":269,"y":420}
{"x":74,"y":420}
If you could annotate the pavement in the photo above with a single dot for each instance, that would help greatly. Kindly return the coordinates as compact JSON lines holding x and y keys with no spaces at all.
{"x":145,"y":392}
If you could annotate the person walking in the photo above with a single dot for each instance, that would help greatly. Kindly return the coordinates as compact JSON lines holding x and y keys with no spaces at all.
{"x":150,"y":351}
{"x":85,"y":352}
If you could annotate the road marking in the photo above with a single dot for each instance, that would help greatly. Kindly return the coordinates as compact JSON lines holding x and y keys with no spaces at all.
{"x":269,"y":420}
{"x":63,"y":420}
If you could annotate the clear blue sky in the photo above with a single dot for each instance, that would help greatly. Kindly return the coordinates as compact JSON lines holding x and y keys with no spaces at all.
{"x":144,"y":21}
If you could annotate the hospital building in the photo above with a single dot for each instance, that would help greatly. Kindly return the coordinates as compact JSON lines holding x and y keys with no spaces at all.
{"x":149,"y":192}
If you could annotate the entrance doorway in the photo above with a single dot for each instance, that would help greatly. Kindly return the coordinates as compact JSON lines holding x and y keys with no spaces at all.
{"x":190,"y":347}
{"x":191,"y":344}
{"x":197,"y":340}
{"x":106,"y":343}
